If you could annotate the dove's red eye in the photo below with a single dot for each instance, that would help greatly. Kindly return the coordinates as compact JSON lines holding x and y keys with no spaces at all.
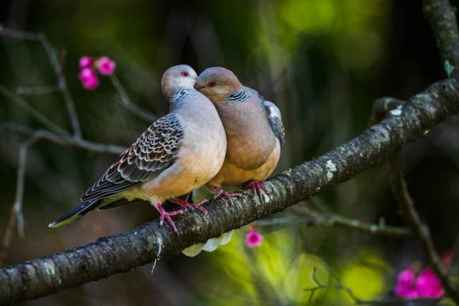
{"x":184,"y":74}
{"x":212,"y":84}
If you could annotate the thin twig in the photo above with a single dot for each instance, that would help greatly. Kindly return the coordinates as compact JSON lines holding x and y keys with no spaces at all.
{"x":127,"y":104}
{"x":61,"y":84}
{"x":421,"y":230}
{"x":57,"y":68}
{"x":329,"y":219}
{"x":16,"y":219}
{"x":66,"y":140}
{"x":35,"y":90}
{"x":335,"y":283}
{"x":36,"y":114}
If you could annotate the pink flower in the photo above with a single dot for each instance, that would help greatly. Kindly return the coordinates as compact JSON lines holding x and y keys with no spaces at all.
{"x":253,"y":238}
{"x":429,"y":285}
{"x":424,"y":285}
{"x":405,"y":286}
{"x":89,"y":79}
{"x":85,"y":62}
{"x":105,"y":65}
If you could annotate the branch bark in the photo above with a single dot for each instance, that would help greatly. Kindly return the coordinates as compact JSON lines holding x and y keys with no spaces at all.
{"x":442,"y":18}
{"x":120,"y":253}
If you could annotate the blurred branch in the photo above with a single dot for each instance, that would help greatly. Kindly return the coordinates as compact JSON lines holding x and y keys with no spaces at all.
{"x":316,"y":218}
{"x":442,"y":18}
{"x":57,"y":68}
{"x":36,"y":114}
{"x":330,"y":220}
{"x":65,"y":140}
{"x":127,"y":104}
{"x":16,"y":219}
{"x":54,"y":133}
{"x":120,"y":253}
{"x":35,"y":90}
{"x":335,"y":283}
{"x":400,"y":190}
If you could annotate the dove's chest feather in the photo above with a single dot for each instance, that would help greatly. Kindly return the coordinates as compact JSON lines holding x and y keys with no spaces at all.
{"x":201,"y":154}
{"x":249,"y":136}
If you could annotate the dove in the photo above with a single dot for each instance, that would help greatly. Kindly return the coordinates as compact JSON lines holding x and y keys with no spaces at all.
{"x":253,"y":126}
{"x":179,"y":152}
{"x":254,"y":132}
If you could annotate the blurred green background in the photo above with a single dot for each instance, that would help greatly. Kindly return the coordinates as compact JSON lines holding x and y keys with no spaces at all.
{"x":322,"y":61}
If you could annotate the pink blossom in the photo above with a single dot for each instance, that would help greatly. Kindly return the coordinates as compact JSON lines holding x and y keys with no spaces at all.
{"x":424,"y":285}
{"x":406,"y":284}
{"x":105,"y":65}
{"x":253,"y":238}
{"x":429,"y":285}
{"x":85,"y":62}
{"x":89,"y":79}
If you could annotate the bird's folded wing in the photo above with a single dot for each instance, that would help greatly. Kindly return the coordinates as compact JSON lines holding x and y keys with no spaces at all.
{"x":275,"y":120}
{"x":154,"y":151}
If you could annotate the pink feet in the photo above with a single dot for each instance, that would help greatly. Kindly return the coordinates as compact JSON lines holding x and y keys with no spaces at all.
{"x":189,"y":205}
{"x":221,"y":193}
{"x":167,"y":216}
{"x":256,"y":186}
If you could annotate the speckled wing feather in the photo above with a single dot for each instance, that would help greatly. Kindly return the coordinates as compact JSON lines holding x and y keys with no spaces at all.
{"x":275,"y":120}
{"x":153,"y":152}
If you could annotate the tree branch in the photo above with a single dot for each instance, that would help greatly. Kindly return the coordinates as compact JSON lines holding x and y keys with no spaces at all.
{"x":120,"y":253}
{"x":57,"y":68}
{"x":127,"y":104}
{"x":65,"y":140}
{"x":330,"y":219}
{"x":31,"y":110}
{"x":442,"y":18}
{"x":400,"y":191}
{"x":303,"y":215}
{"x":16,"y":219}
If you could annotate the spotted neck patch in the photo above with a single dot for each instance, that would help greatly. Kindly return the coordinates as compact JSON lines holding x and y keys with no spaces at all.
{"x":180,"y":94}
{"x":238,"y":96}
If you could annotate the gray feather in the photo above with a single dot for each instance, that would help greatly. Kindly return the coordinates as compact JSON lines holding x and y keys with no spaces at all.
{"x":275,"y":120}
{"x":153,"y":152}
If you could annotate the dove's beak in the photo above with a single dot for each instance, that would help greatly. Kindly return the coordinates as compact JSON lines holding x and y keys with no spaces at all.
{"x":199,"y":85}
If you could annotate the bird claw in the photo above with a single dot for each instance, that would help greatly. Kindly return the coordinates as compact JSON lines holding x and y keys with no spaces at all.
{"x":167,"y":216}
{"x":190,"y":205}
{"x":257,"y":186}
{"x":221,"y":193}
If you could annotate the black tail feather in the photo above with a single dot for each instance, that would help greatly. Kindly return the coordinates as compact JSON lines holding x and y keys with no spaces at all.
{"x":74,"y":214}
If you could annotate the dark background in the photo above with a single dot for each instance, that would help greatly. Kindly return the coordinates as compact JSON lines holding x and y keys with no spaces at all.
{"x":322,"y":61}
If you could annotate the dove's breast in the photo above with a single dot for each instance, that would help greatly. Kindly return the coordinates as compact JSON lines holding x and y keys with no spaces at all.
{"x":200,"y":157}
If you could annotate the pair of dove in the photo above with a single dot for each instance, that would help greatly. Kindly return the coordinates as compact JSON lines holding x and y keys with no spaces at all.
{"x":217,"y":132}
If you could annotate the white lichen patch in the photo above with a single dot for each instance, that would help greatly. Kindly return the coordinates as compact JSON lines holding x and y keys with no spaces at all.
{"x":397,"y":111}
{"x":50,"y":271}
{"x":50,"y":268}
{"x":331,"y":169}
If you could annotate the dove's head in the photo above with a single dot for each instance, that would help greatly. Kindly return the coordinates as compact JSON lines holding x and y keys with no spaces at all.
{"x":177,"y":77}
{"x":217,"y":83}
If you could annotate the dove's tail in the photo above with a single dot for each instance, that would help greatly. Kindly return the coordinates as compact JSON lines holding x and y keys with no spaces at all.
{"x":74,"y":214}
